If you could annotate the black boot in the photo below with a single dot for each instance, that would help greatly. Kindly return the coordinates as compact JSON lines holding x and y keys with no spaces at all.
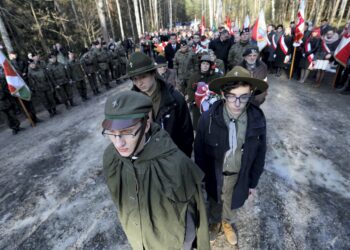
{"x":54,"y":111}
{"x":51,"y":112}
{"x":72,"y":103}
{"x":67,"y":105}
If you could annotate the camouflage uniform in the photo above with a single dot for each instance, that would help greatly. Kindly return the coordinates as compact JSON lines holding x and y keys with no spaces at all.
{"x":103,"y":58}
{"x":123,"y":60}
{"x":185,"y":64}
{"x":235,"y":54}
{"x":89,"y":63}
{"x":115,"y":63}
{"x":76,"y":74}
{"x":42,"y":88}
{"x":59,"y":78}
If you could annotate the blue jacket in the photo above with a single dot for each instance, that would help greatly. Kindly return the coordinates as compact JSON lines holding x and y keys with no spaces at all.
{"x":212,"y":143}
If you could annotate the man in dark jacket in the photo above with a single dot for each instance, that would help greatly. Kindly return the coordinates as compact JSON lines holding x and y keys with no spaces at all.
{"x":170,"y":50}
{"x":169,"y":110}
{"x":230,"y":148}
{"x":156,"y":188}
{"x":221,"y":46}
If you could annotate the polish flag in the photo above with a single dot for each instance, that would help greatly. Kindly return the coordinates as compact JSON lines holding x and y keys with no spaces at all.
{"x":342,"y":53}
{"x":299,"y":28}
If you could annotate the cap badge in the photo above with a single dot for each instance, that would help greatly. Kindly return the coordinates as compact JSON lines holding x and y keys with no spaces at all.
{"x":115,"y":104}
{"x":130,"y":64}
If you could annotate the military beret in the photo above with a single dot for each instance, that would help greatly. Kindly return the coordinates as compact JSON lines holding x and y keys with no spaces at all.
{"x":250,"y":50}
{"x":245,"y":30}
{"x":183,"y":42}
{"x":125,"y":109}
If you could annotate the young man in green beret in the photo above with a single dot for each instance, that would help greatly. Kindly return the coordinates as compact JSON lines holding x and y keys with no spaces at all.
{"x":230,"y":148}
{"x":156,"y":188}
{"x":169,"y":108}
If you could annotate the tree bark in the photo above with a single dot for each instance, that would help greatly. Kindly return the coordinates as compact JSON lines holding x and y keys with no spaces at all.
{"x":42,"y":40}
{"x":170,"y":14}
{"x":141,"y":17}
{"x":151,"y":13}
{"x":342,"y":10}
{"x":156,"y":20}
{"x":273,"y":17}
{"x":219,"y":12}
{"x":312,"y":11}
{"x":130,"y":20}
{"x":319,"y":12}
{"x":110,"y":18}
{"x":120,"y":19}
{"x":102,"y":17}
{"x":137,"y":17}
{"x":5,"y":36}
{"x":74,"y":11}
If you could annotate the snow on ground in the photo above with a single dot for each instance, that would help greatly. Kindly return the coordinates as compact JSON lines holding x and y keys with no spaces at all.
{"x":53,"y":194}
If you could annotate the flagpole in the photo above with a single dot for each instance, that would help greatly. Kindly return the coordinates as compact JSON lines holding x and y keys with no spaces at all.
{"x":292,"y":65}
{"x":336,"y":76}
{"x":26,"y":112}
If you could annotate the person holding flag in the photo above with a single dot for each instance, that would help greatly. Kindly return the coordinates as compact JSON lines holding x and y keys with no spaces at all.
{"x":284,"y":49}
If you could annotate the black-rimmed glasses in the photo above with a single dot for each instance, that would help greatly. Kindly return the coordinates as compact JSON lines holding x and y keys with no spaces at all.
{"x":242,"y":99}
{"x":125,"y":136}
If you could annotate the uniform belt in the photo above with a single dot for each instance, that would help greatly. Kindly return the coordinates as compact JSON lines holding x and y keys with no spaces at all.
{"x":226,"y":173}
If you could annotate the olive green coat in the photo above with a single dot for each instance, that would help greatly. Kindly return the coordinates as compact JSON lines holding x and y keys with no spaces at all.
{"x":103,"y":58}
{"x":235,"y":55}
{"x":75,"y":70}
{"x":89,"y":62}
{"x":57,"y":73}
{"x":39,"y":79}
{"x":154,"y":192}
{"x":185,"y":64}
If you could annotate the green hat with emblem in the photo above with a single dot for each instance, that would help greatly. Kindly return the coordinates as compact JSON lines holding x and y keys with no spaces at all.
{"x":140,"y":63}
{"x":238,"y":74}
{"x":125,"y":109}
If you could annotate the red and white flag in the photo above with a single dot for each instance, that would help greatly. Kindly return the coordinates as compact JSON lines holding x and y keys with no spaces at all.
{"x":259,"y":32}
{"x":202,"y":29}
{"x":15,"y":83}
{"x":283,"y":45}
{"x":342,"y":53}
{"x":299,"y":28}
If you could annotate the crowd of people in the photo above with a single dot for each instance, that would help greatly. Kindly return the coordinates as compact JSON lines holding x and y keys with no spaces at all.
{"x":52,"y":82}
{"x":221,"y":78}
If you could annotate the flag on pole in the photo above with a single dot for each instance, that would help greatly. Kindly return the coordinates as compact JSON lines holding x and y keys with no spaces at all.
{"x":202,"y":29}
{"x":259,"y":32}
{"x":299,"y":28}
{"x":246,"y":22}
{"x":15,"y":83}
{"x":342,"y":53}
{"x":229,"y":24}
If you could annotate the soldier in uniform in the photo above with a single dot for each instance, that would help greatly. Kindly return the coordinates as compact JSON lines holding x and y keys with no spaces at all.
{"x":123,"y":58}
{"x":185,"y":63}
{"x":41,"y":87}
{"x":89,"y":63}
{"x":6,"y":112}
{"x":76,"y":75}
{"x":156,"y":188}
{"x":115,"y":62}
{"x":58,"y":75}
{"x":102,"y":57}
{"x":235,"y":55}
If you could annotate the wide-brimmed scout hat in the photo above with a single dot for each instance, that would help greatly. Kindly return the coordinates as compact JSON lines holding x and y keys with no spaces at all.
{"x":125,"y":109}
{"x":237,"y":74}
{"x":140,"y":63}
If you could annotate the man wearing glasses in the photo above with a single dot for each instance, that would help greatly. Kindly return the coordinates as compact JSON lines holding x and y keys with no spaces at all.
{"x":230,"y":148}
{"x":156,"y":188}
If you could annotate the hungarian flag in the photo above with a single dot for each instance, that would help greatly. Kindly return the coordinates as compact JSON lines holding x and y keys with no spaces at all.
{"x":299,"y":28}
{"x":342,"y":53}
{"x":202,"y":26}
{"x":15,"y":83}
{"x":259,"y":32}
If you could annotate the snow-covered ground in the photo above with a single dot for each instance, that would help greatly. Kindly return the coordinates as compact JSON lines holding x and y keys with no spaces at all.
{"x":53,"y":194}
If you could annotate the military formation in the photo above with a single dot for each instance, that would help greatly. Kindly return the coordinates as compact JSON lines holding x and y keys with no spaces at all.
{"x":53,"y":82}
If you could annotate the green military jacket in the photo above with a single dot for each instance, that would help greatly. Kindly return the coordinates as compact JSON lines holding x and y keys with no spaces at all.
{"x":185,"y":64}
{"x":57,"y":73}
{"x":103,"y":58}
{"x":89,"y":62}
{"x":75,"y":70}
{"x":154,"y":192}
{"x":235,"y":54}
{"x":122,"y":55}
{"x":39,"y":79}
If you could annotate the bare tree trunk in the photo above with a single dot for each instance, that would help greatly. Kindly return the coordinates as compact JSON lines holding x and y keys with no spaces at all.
{"x":348,"y":15}
{"x":74,"y":11}
{"x":130,"y":20}
{"x":211,"y":13}
{"x":102,"y":17}
{"x":312,"y":11}
{"x":42,"y":41}
{"x":273,"y":17}
{"x":151,"y":13}
{"x":319,"y":12}
{"x":156,"y":20}
{"x":120,"y":19}
{"x":292,"y":16}
{"x":342,"y":10}
{"x":5,"y":36}
{"x":110,"y":18}
{"x":219,"y":12}
{"x":137,"y":17}
{"x":141,"y":17}
{"x":146,"y":15}
{"x":170,"y":14}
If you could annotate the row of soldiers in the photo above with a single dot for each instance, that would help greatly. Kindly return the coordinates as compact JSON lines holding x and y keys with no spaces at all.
{"x":52,"y":83}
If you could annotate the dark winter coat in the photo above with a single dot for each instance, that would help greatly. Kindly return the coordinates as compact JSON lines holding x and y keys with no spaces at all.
{"x":39,"y":80}
{"x":169,"y":54}
{"x":221,"y":48}
{"x":89,"y":63}
{"x":155,"y":192}
{"x":75,"y":70}
{"x":212,"y":142}
{"x":316,"y":44}
{"x":57,"y":73}
{"x":280,"y":56}
{"x":174,"y":116}
{"x":169,"y":77}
